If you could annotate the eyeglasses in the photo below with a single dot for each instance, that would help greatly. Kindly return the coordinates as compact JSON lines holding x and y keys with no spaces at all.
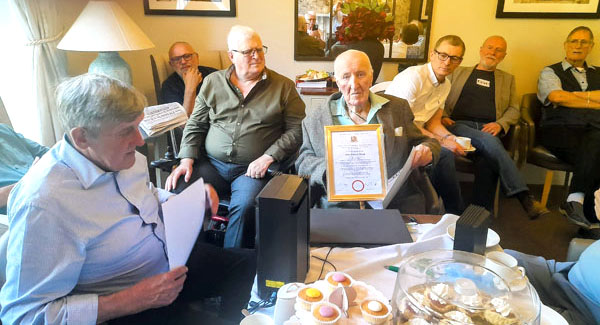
{"x":251,"y":52}
{"x":443,"y":57}
{"x":583,"y":43}
{"x":177,"y":59}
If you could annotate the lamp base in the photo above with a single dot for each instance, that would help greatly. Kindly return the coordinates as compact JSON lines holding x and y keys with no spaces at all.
{"x":111,"y":64}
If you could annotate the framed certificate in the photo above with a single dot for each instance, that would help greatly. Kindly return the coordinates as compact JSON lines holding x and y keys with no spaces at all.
{"x":356,"y":169}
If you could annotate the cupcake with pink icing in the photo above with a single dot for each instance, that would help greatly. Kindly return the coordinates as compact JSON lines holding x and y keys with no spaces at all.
{"x":334,"y":279}
{"x":324,"y":313}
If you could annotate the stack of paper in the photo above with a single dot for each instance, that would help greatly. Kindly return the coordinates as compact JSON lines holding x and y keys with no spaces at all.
{"x":312,"y":84}
{"x":161,"y":118}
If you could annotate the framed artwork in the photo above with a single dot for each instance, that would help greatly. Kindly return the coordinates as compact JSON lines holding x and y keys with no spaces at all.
{"x":548,"y":9}
{"x":215,"y":8}
{"x":355,"y":162}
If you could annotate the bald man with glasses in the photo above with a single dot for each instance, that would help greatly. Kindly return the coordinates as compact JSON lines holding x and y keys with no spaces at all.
{"x":245,"y":119}
{"x":184,"y":84}
{"x":425,"y":88}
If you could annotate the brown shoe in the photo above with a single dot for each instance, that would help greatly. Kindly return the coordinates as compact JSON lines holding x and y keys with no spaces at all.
{"x":533,"y":208}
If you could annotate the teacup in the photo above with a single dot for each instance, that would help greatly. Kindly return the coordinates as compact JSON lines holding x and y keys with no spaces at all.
{"x":464,"y":142}
{"x":506,"y":260}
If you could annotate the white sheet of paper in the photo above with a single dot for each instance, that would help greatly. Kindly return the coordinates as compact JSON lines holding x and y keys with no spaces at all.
{"x":395,"y":183}
{"x":183,"y":215}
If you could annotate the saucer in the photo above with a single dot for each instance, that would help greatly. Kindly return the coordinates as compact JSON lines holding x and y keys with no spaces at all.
{"x":471,"y":149}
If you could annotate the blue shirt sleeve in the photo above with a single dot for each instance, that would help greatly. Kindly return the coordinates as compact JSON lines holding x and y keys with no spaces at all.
{"x":547,"y":83}
{"x":38,"y":288}
{"x":584,"y":274}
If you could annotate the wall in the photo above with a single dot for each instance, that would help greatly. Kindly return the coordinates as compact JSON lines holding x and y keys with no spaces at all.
{"x":532,"y":43}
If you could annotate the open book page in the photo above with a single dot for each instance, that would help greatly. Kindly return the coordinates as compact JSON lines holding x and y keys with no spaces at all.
{"x":161,"y":118}
{"x":183,"y":215}
{"x":395,"y":183}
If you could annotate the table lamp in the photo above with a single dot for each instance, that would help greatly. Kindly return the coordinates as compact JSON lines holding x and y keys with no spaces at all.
{"x":105,"y":28}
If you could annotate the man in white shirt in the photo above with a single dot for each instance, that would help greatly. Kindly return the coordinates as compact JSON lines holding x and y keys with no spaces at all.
{"x":425,"y":88}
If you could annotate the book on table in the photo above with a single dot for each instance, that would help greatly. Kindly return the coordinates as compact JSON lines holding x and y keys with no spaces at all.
{"x":164,"y":117}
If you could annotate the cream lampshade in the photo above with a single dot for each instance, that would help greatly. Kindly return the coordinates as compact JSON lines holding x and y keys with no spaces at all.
{"x":105,"y":28}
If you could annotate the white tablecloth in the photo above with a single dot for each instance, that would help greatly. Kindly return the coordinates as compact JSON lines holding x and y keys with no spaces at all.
{"x":367,"y":265}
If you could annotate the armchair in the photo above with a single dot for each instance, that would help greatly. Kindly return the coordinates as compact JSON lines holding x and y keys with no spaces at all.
{"x":535,"y":153}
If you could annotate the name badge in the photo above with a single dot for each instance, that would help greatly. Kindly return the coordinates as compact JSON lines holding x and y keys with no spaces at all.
{"x":398,"y":131}
{"x":483,"y":82}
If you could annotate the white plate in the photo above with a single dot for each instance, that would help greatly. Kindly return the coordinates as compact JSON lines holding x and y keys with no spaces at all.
{"x":551,"y":317}
{"x":492,"y":237}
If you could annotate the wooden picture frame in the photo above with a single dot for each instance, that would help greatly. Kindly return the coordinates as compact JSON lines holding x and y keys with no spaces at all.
{"x":359,"y":165}
{"x":548,"y":9}
{"x":213,"y":8}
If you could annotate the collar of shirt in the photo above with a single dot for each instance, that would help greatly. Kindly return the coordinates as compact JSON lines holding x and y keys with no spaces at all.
{"x":340,"y":112}
{"x":86,"y":171}
{"x":566,"y":66}
{"x":432,"y":76}
{"x":265,"y":73}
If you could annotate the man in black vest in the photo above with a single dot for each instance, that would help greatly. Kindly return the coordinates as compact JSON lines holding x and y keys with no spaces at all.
{"x":570,"y":126}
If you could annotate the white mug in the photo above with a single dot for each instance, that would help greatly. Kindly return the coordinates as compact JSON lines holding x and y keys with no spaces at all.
{"x":286,"y":298}
{"x":464,"y":142}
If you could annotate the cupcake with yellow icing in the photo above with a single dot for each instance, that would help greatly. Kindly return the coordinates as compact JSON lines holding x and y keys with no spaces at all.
{"x":307,"y":296}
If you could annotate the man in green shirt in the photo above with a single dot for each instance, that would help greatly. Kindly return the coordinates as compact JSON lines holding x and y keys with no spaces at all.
{"x":245,"y":118}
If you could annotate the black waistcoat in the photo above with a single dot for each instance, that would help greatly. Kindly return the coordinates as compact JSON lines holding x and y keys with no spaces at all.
{"x":565,"y":116}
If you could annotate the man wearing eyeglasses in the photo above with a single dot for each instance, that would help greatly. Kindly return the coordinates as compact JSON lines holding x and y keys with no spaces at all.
{"x":184,"y":84}
{"x":482,"y":105}
{"x":570,"y":125}
{"x":425,"y":88}
{"x":245,"y":118}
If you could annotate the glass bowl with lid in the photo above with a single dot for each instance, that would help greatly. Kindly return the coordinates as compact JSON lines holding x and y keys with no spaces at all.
{"x":455,"y":287}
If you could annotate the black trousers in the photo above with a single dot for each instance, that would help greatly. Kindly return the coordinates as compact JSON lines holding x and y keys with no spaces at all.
{"x":212,"y":272}
{"x":580,"y":147}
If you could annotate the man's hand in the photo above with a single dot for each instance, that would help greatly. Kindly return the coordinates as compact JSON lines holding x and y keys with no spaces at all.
{"x":192,"y":78}
{"x":185,"y":168}
{"x":451,"y":144}
{"x":492,"y":128}
{"x":258,"y":168}
{"x":422,"y":156}
{"x":597,"y":203}
{"x":153,"y":292}
{"x":162,"y":289}
{"x":213,"y":198}
{"x":446,"y":121}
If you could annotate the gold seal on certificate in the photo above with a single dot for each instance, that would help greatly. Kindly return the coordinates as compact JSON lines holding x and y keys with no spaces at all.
{"x":356,"y":169}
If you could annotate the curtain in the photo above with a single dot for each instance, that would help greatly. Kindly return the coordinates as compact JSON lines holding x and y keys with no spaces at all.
{"x":43,"y":28}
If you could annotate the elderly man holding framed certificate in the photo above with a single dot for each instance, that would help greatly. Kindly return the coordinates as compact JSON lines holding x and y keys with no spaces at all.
{"x":356,"y":106}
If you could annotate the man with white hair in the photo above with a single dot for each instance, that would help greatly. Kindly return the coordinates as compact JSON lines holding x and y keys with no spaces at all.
{"x":311,"y":25}
{"x":87,"y":240}
{"x":355,"y":104}
{"x":245,"y":118}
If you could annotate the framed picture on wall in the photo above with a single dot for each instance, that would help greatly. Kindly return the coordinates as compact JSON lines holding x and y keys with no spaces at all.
{"x":548,"y":9}
{"x":215,"y":8}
